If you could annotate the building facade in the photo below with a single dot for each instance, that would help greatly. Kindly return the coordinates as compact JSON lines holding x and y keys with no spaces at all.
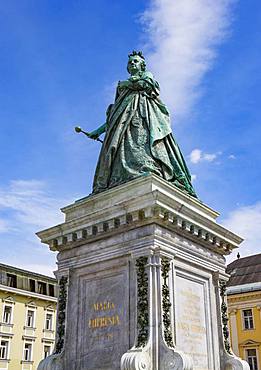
{"x":244,"y":304}
{"x":27,"y":318}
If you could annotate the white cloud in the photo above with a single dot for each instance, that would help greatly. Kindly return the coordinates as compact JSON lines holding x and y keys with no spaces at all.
{"x":26,"y":206}
{"x":209,"y":157}
{"x":193,"y":178}
{"x":231,"y":156}
{"x":27,"y":202}
{"x":197,"y":155}
{"x":182,"y":40}
{"x":4,"y":227}
{"x":246,"y":221}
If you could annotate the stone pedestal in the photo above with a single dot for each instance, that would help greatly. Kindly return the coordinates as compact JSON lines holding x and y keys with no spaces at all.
{"x":142,"y":282}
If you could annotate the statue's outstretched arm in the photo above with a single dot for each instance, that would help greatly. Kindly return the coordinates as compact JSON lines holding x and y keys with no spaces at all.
{"x":96,"y":133}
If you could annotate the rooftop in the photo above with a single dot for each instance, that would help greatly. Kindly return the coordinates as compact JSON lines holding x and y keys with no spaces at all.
{"x":245,"y":270}
{"x":18,"y":281}
{"x":25,"y":272}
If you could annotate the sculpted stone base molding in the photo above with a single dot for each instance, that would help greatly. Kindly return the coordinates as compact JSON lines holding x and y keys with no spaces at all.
{"x":136,"y":358}
{"x":235,"y":363}
{"x":139,"y":359}
{"x":143,"y":264}
{"x":229,"y":359}
{"x":154,"y":353}
{"x":52,"y":362}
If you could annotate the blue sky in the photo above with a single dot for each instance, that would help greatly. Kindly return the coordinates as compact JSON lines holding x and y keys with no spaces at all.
{"x":59,"y":65}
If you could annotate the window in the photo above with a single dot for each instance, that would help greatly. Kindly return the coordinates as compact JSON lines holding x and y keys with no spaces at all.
{"x":47,"y":351}
{"x":7,"y":315}
{"x":252,"y":359}
{"x":28,"y":352}
{"x":32,"y":285}
{"x":49,"y":321}
{"x":41,"y":287}
{"x":30,"y":318}
{"x":3,"y":349}
{"x":11,"y":280}
{"x":51,"y":290}
{"x":248,"y":319}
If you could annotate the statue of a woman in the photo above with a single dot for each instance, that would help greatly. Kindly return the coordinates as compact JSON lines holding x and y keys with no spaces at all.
{"x":138,"y":137}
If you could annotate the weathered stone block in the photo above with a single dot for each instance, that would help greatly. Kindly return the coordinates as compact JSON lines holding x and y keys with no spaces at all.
{"x":141,"y":292}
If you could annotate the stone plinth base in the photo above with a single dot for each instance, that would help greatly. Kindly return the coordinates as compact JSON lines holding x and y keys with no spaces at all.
{"x":142,"y":282}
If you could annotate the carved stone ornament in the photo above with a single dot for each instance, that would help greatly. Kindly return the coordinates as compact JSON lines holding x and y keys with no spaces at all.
{"x":142,"y":302}
{"x":135,"y":360}
{"x":224,"y":315}
{"x":62,"y":300}
{"x":166,"y":304}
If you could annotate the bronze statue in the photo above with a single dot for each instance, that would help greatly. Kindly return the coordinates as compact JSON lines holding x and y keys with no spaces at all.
{"x":138,"y":137}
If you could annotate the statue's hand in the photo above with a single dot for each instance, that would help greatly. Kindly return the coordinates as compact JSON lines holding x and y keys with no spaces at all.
{"x":94,"y":134}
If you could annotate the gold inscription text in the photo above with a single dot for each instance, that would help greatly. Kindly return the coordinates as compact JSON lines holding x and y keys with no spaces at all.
{"x":103,"y":306}
{"x":104,"y":322}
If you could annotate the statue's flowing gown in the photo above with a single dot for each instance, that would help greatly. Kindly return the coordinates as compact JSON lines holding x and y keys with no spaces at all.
{"x":138,"y":140}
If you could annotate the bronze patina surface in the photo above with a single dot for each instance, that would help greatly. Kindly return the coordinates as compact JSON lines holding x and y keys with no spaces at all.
{"x":138,"y":136}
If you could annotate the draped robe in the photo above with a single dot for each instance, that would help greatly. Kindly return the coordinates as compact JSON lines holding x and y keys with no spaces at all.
{"x":138,"y":139}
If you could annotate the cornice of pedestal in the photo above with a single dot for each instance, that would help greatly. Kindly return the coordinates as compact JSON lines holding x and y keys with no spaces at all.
{"x":139,"y":202}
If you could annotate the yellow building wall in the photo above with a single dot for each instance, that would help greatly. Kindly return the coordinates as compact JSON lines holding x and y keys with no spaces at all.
{"x":20,"y":333}
{"x":246,"y":338}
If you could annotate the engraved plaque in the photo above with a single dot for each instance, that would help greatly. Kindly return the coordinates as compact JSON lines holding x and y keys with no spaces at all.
{"x":192,"y":322}
{"x":103,"y":321}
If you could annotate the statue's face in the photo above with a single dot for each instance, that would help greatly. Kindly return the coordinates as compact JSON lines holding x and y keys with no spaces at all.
{"x":134,"y":64}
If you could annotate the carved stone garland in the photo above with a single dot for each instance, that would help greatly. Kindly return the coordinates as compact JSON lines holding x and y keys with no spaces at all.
{"x":62,"y":300}
{"x":142,"y":302}
{"x":223,"y":287}
{"x":166,"y":304}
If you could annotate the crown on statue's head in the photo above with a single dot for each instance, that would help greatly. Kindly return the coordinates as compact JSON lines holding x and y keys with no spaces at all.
{"x":138,"y":53}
